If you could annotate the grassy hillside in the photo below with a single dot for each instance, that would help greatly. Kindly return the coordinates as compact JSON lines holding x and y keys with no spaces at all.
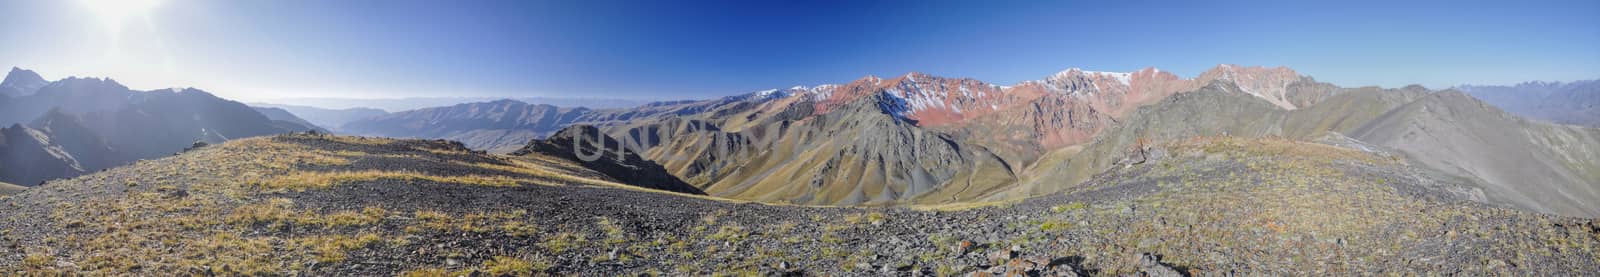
{"x":325,"y":205}
{"x":9,"y":189}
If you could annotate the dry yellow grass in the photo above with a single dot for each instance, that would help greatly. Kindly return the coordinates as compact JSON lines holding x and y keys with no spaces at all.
{"x":359,"y":140}
{"x":318,"y":180}
{"x":531,"y":169}
{"x":9,"y":189}
{"x":332,"y":248}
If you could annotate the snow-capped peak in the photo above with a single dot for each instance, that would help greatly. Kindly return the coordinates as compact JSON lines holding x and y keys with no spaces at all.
{"x":767,"y":93}
{"x":1122,"y":77}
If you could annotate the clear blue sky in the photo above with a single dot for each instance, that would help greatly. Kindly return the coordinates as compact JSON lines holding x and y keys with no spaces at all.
{"x":651,"y":49}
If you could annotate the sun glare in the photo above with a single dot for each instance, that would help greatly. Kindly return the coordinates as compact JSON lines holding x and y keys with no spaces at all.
{"x":113,"y":13}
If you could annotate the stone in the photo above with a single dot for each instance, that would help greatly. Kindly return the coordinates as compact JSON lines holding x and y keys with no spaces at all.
{"x":1150,"y":265}
{"x":963,"y":247}
{"x":1060,"y":271}
{"x":1001,"y":256}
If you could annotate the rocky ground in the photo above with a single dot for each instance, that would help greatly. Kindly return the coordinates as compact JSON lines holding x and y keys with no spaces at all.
{"x":324,"y":205}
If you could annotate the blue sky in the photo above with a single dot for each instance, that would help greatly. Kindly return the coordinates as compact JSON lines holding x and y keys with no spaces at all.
{"x":647,"y":49}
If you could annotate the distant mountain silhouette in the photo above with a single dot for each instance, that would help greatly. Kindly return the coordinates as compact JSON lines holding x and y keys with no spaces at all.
{"x":1576,"y":103}
{"x":498,"y":126}
{"x":78,"y":125}
{"x":413,"y":103}
{"x":332,"y":119}
{"x":288,"y":120}
{"x":21,"y":82}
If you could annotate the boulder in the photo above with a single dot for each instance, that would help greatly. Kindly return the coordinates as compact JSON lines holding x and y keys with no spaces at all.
{"x":1150,"y":265}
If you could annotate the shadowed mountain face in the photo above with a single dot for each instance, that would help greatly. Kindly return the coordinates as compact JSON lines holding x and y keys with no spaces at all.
{"x":28,"y":156}
{"x":586,"y":145}
{"x":1575,"y":103}
{"x":91,"y":150}
{"x":89,"y":124}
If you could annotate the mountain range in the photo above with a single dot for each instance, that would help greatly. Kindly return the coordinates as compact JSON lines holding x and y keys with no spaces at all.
{"x":412,"y":103}
{"x":1239,"y":169}
{"x":923,"y":139}
{"x":65,"y":128}
{"x":332,"y":119}
{"x":1575,"y":103}
{"x":910,"y":139}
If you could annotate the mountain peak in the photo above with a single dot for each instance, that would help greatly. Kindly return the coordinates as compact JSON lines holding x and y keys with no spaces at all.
{"x":95,"y":81}
{"x":1121,"y":77}
{"x":1253,"y":69}
{"x":1538,"y":83}
{"x":916,"y":77}
{"x":1269,"y":83}
{"x":21,"y":82}
{"x":874,"y":79}
{"x":18,"y":70}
